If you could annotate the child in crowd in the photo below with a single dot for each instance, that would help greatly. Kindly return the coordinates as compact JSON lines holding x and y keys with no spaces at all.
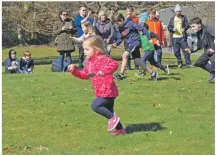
{"x":88,"y":31}
{"x":207,"y":37}
{"x":134,"y":18}
{"x":128,"y":31}
{"x":12,"y":63}
{"x":148,"y":49}
{"x":27,"y":63}
{"x":99,"y":69}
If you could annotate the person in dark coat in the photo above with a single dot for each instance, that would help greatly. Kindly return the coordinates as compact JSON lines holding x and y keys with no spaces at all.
{"x":12,"y":65}
{"x":64,"y":29}
{"x":27,"y":63}
{"x":207,"y":36}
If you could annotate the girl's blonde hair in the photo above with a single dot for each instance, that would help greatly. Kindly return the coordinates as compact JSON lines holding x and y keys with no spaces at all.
{"x":102,"y":13}
{"x":88,"y":25}
{"x":95,"y":42}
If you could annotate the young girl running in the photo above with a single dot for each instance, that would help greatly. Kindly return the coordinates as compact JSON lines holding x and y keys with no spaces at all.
{"x":99,"y":69}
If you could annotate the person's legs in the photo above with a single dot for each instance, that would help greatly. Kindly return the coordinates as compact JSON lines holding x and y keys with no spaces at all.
{"x":136,"y":56}
{"x":159,"y":53}
{"x":176,"y":49}
{"x":202,"y":62}
{"x":81,"y":55}
{"x":104,"y":107}
{"x":68,"y":57}
{"x":24,"y":70}
{"x":184,"y":45}
{"x":62,"y":53}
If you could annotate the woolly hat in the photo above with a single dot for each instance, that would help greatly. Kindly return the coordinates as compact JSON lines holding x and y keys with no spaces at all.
{"x":178,"y":8}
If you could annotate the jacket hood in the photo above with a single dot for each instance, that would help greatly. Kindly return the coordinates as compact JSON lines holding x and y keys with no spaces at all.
{"x":11,"y":52}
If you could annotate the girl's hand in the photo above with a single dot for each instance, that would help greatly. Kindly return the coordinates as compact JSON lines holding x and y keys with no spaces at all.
{"x":114,"y":45}
{"x":29,"y":70}
{"x":100,"y":73}
{"x":71,"y":67}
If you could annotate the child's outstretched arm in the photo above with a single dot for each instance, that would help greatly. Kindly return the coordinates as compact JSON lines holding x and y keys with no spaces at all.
{"x":82,"y":74}
{"x":110,"y":67}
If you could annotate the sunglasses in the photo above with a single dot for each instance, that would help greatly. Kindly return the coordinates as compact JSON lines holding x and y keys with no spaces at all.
{"x":84,"y":10}
{"x":64,"y":14}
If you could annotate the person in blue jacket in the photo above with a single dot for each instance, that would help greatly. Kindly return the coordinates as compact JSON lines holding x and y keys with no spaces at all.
{"x":128,"y":31}
{"x":12,"y":65}
{"x":78,"y":20}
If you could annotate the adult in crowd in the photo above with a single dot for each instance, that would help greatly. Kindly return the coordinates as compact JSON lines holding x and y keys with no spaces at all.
{"x":78,"y":20}
{"x":155,"y":26}
{"x":64,"y":29}
{"x":12,"y":65}
{"x":105,"y":29}
{"x":178,"y":26}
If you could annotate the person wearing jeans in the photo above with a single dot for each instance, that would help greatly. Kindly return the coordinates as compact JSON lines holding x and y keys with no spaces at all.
{"x":178,"y":26}
{"x":64,"y":29}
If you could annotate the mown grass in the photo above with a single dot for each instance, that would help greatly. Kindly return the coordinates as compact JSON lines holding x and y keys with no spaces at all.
{"x":49,"y":113}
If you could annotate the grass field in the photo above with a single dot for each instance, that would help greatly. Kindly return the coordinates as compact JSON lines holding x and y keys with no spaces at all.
{"x":49,"y":113}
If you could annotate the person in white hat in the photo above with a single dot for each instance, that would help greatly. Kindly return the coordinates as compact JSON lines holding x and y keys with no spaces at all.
{"x":178,"y":26}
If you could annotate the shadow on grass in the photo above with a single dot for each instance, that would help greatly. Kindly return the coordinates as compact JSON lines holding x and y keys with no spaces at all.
{"x":154,"y":126}
{"x":162,"y":78}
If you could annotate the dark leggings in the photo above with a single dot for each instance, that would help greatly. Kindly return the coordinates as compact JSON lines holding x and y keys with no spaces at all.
{"x":104,"y":107}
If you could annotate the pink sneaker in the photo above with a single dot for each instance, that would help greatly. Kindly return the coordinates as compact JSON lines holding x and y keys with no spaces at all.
{"x":112,"y":122}
{"x":119,"y":131}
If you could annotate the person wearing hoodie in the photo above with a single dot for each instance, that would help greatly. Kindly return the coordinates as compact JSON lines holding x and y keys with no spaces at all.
{"x":178,"y":26}
{"x":12,"y":65}
{"x":128,"y":31}
{"x":155,"y":26}
{"x":104,"y":28}
{"x":131,"y":15}
{"x":64,"y":29}
{"x":207,"y":37}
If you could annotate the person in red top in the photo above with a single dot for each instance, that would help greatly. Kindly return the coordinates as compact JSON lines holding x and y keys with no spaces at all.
{"x":130,"y":14}
{"x":155,"y":26}
{"x":99,"y":68}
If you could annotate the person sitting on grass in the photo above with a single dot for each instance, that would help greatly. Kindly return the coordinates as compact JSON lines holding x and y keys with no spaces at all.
{"x":99,"y":69}
{"x":207,"y":36}
{"x":148,"y":49}
{"x":27,"y":63}
{"x":12,"y":65}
